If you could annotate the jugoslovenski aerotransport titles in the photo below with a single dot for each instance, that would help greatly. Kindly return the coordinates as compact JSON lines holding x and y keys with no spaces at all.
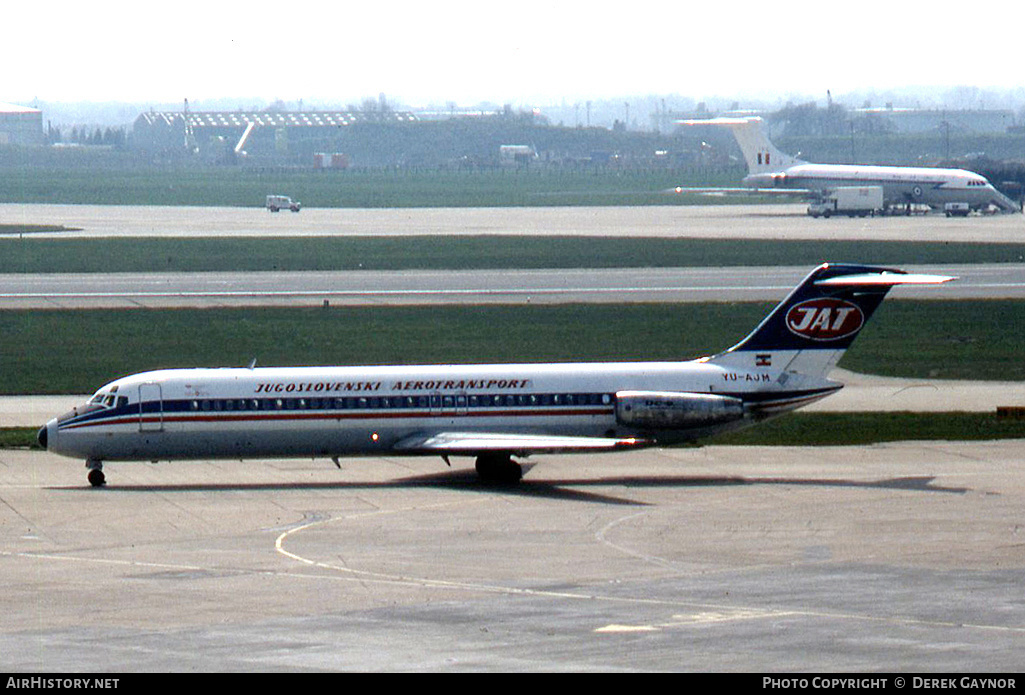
{"x":494,"y":413}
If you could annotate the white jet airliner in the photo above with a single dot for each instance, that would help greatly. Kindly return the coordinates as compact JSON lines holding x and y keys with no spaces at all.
{"x":770,"y":171}
{"x":491,"y":412}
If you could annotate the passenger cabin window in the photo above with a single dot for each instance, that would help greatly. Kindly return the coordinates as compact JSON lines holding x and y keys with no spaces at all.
{"x":521,"y":402}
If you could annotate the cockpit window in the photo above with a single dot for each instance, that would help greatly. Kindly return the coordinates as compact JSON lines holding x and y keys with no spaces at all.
{"x":108,"y":399}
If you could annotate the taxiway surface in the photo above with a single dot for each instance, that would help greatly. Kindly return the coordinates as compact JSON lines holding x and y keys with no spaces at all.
{"x":700,"y":221}
{"x":892,"y":558}
{"x":409,"y":287}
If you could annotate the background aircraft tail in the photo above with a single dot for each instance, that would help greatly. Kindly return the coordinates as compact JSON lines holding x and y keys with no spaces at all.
{"x":760,"y":154}
{"x":809,"y":331}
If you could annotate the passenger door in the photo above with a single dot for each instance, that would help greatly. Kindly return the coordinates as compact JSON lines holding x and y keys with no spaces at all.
{"x":151,"y":408}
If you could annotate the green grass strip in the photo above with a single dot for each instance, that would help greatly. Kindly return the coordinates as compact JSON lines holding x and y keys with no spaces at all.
{"x":119,"y":183}
{"x":52,"y":352}
{"x":35,"y":255}
{"x":20,"y":229}
{"x":846,"y":429}
{"x":19,"y":438}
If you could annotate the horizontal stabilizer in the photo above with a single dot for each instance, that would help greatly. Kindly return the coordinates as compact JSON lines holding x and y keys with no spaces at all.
{"x":760,"y":154}
{"x":884,"y":279}
{"x":721,"y":120}
{"x":472,"y":443}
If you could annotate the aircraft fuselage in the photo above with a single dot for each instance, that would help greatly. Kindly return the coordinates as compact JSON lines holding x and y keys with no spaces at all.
{"x":329,"y":411}
{"x":901,"y":185}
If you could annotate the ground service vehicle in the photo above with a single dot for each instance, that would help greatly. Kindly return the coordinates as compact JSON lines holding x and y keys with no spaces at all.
{"x":280,"y":202}
{"x":849,"y":200}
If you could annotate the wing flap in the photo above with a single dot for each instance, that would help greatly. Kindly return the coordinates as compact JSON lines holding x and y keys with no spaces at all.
{"x":472,"y":443}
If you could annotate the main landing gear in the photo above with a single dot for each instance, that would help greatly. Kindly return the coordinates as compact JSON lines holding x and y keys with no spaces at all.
{"x":498,"y":468}
{"x":96,"y":477}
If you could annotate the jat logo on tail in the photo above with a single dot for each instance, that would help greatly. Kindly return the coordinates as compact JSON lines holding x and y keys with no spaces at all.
{"x":825,"y":319}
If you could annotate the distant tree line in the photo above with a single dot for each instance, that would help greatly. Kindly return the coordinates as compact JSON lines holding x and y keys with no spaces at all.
{"x":84,"y":135}
{"x":801,"y":120}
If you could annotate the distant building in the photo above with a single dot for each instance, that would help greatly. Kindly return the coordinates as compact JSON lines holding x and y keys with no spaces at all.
{"x":511,"y":155}
{"x":258,"y":133}
{"x":21,"y":125}
{"x":904,"y":120}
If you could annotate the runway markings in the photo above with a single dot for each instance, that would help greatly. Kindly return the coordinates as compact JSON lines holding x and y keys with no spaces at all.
{"x":601,"y":537}
{"x":685,"y":614}
{"x":427,"y":287}
{"x":709,"y":617}
{"x":713,"y":617}
{"x":107,"y":561}
{"x":454,"y":292}
{"x":759,"y":290}
{"x":381,"y":577}
{"x":702,"y":614}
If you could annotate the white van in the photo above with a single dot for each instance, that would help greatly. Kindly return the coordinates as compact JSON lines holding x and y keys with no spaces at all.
{"x":280,"y":202}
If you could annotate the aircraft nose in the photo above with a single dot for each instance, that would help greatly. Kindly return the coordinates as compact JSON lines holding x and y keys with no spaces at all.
{"x":42,"y":436}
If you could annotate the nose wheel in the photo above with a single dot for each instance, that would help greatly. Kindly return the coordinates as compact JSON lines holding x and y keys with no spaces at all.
{"x":96,"y":477}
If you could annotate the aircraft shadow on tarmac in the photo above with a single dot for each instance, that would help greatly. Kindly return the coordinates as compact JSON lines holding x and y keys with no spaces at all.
{"x":566,"y":489}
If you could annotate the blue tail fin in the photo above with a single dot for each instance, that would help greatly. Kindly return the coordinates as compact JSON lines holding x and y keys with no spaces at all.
{"x":809,"y":331}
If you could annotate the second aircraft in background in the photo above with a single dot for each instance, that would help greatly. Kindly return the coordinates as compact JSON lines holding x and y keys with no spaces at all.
{"x":773,"y":172}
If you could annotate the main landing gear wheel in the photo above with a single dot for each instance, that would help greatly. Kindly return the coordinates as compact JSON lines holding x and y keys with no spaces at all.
{"x":96,"y":477}
{"x":498,"y":468}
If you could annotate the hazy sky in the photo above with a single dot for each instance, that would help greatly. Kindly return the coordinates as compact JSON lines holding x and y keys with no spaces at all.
{"x":522,"y":52}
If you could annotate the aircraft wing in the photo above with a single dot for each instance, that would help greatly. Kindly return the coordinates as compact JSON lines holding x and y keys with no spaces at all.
{"x":741,"y":190}
{"x":474,"y":443}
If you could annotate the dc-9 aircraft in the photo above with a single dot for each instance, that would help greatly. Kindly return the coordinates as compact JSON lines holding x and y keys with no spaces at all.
{"x":493,"y":412}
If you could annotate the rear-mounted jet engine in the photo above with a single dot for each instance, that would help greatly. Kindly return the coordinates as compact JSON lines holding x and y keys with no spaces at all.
{"x":669,"y":410}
